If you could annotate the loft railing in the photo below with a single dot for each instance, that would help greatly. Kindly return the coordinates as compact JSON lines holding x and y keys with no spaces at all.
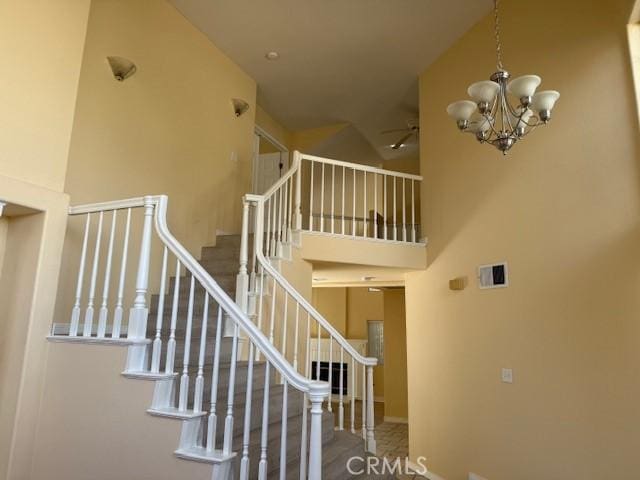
{"x":359,"y":201}
{"x":262,"y":291}
{"x":176,"y":324}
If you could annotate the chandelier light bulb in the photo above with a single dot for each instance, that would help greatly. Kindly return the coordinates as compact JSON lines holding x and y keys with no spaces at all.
{"x":491,"y":117}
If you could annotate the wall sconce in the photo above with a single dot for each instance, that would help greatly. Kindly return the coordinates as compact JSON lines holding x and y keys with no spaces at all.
{"x":121,"y":67}
{"x":2,"y":205}
{"x":459,"y":283}
{"x":239,"y":106}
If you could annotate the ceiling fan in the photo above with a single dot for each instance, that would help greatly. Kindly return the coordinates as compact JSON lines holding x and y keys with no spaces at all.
{"x":413,"y":128}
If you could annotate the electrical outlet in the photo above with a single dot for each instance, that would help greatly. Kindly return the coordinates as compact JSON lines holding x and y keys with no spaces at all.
{"x":507,"y":375}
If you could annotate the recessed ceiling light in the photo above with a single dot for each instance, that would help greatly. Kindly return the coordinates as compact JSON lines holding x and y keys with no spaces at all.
{"x":320,"y":279}
{"x":367,"y":279}
{"x":402,"y":145}
{"x":272,"y":55}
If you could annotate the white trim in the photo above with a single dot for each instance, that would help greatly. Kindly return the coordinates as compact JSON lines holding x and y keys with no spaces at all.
{"x":417,"y":468}
{"x":363,"y":168}
{"x":402,"y":420}
{"x":422,"y":243}
{"x":263,"y":133}
{"x":117,"y":342}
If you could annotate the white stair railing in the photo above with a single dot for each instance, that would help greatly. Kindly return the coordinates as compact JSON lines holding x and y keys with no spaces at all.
{"x":359,"y":201}
{"x":268,"y":292}
{"x":196,"y":301}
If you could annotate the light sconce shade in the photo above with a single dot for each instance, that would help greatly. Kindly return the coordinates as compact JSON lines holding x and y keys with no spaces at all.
{"x":524,"y":86}
{"x":483,"y":92}
{"x":461,"y":110}
{"x":2,"y":205}
{"x":479,"y":123}
{"x":544,"y":100}
{"x":122,"y":68}
{"x":239,"y":106}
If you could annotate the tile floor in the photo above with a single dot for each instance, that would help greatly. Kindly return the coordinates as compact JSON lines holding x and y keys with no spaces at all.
{"x":392,"y":439}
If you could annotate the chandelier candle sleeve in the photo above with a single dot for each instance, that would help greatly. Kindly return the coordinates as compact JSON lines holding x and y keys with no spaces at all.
{"x":492,"y":116}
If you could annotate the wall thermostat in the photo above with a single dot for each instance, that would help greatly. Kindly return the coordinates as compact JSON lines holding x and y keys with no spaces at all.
{"x":495,"y":275}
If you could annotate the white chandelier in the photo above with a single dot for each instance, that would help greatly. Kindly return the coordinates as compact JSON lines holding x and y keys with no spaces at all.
{"x":491,"y":117}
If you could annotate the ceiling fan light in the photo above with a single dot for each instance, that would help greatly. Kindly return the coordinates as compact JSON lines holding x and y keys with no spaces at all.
{"x":484,"y":91}
{"x":461,"y":110}
{"x":524,"y":86}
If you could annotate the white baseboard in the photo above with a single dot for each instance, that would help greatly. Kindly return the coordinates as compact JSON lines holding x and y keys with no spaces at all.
{"x":378,"y":399}
{"x":417,"y":469}
{"x":475,"y":476}
{"x":396,"y":420}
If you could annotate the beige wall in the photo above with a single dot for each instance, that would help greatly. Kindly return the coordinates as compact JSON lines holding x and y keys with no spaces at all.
{"x":272,"y":127}
{"x":395,"y":355}
{"x":103,"y":431}
{"x":170,"y":128}
{"x":41,"y":45}
{"x":332,"y":305}
{"x":562,"y":208}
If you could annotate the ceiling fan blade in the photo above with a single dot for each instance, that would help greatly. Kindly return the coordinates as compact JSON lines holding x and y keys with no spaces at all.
{"x":395,"y":130}
{"x":399,"y":143}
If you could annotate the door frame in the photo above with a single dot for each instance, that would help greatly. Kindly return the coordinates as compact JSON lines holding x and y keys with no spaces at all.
{"x":284,"y":151}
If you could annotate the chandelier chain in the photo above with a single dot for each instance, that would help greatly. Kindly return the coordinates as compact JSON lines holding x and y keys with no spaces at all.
{"x":497,"y":34}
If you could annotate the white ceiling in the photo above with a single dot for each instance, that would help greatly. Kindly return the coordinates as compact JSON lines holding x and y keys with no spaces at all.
{"x":353,"y":61}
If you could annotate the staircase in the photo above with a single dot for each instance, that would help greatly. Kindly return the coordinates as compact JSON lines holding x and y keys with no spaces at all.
{"x":227,"y":339}
{"x":221,"y":262}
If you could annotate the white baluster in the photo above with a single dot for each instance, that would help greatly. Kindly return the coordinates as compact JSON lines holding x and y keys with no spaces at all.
{"x":364,"y":231}
{"x":138,"y":314}
{"x":290,"y":211}
{"x":273,"y":311}
{"x":364,"y":403}
{"x":119,"y":310}
{"x":283,"y":432}
{"x":75,"y":313}
{"x":353,"y":221}
{"x":284,"y":326}
{"x":260,"y":305}
{"x":384,"y":215}
{"x":228,"y":422}
{"x":274,"y":224}
{"x":395,"y":210}
{"x":184,"y":379}
{"x":102,"y":315}
{"x":322,"y":201}
{"x":353,"y":395}
{"x":304,"y":442}
{"x":267,"y":240}
{"x":333,"y":196}
{"x":330,"y":377}
{"x":344,"y":173}
{"x":264,"y":434}
{"x":295,"y":339}
{"x":404,"y":211}
{"x":298,"y":204}
{"x":413,"y":213}
{"x":375,"y":205}
{"x":279,"y":222}
{"x":171,"y":344}
{"x":88,"y":317}
{"x":318,"y":353}
{"x":199,"y":388}
{"x":315,"y":440}
{"x":311,"y":199}
{"x":157,"y":341}
{"x":371,"y":441}
{"x":341,"y":382}
{"x":246,"y":434}
{"x":213,"y":417}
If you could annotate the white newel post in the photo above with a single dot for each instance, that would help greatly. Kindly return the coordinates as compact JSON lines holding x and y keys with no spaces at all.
{"x":317,"y":393}
{"x":138,"y":314}
{"x":298,"y":207}
{"x":371,"y":441}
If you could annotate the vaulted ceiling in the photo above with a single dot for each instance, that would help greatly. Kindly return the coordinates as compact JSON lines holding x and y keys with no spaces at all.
{"x":353,"y":61}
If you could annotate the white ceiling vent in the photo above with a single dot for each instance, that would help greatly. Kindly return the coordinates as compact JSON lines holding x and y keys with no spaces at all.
{"x":495,"y":275}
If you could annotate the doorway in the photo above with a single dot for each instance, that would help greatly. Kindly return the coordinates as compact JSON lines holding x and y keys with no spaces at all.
{"x":270,"y":160}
